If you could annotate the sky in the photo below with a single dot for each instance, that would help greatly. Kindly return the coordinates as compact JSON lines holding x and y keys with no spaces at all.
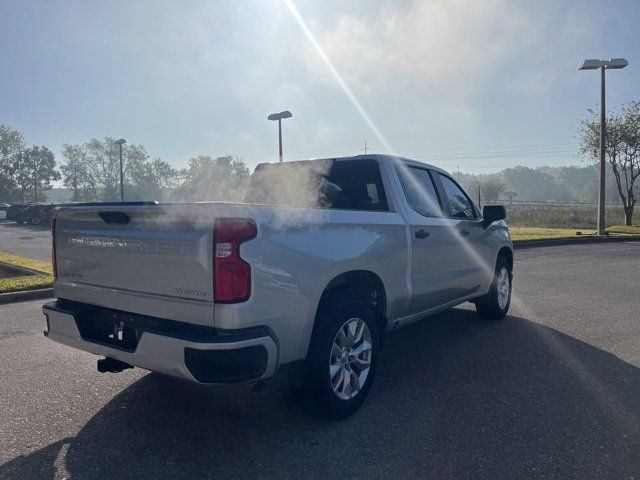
{"x":475,"y":85}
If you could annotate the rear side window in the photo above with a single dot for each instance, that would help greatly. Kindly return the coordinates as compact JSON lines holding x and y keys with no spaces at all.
{"x":343,"y":184}
{"x":355,"y":185}
{"x":420,"y":191}
{"x":460,"y":206}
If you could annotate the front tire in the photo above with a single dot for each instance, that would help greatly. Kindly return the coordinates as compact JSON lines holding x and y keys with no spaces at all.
{"x":495,"y":304}
{"x":342,"y":359}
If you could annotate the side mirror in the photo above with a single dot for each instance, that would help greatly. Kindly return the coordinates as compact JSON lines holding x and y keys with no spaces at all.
{"x":493,"y":213}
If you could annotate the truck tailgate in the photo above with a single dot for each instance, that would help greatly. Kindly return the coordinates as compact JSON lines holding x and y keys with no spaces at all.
{"x":147,"y":252}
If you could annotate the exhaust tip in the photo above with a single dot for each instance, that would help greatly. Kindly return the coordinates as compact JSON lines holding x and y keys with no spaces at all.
{"x":111,"y":365}
{"x":259,"y":386}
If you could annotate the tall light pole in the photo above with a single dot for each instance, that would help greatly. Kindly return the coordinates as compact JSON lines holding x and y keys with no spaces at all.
{"x":120,"y":143}
{"x":592,"y":64}
{"x":279,"y":117}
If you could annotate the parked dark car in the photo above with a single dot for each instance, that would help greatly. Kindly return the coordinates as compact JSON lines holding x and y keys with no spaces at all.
{"x":3,"y":210}
{"x":31,"y":214}
{"x":46,"y":214}
{"x":14,"y":210}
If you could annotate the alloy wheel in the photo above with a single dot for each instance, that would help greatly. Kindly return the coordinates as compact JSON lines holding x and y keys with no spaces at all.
{"x":350,"y":358}
{"x":504,"y":288}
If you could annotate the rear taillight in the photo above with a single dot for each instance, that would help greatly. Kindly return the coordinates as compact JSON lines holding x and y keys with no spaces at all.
{"x":232,"y":275}
{"x":54,"y":264}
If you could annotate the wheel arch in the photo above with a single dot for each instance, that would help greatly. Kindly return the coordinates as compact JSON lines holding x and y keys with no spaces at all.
{"x":364,"y":285}
{"x":507,"y":253}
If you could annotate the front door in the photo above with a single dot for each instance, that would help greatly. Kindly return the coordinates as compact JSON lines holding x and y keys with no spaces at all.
{"x":471,"y":259}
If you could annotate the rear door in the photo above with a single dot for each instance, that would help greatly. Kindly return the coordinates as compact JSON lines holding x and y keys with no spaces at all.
{"x":432,"y":240}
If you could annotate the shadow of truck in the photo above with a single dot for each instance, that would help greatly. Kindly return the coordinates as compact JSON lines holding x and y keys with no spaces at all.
{"x":455,"y":397}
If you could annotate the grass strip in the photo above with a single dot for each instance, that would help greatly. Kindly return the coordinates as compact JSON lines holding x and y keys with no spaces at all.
{"x":525,"y":234}
{"x":26,"y":282}
{"x":625,"y":229}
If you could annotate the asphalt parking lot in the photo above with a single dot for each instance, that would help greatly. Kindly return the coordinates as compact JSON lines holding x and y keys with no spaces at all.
{"x":33,"y":241}
{"x":552,"y":391}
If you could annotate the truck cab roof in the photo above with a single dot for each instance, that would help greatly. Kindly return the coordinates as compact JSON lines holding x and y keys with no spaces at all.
{"x":370,"y":156}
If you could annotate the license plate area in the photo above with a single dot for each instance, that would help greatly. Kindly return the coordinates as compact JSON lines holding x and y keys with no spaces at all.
{"x":108,"y":327}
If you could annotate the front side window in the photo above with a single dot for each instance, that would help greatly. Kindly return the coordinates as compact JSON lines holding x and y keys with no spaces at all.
{"x":420,"y":191}
{"x":458,"y":202}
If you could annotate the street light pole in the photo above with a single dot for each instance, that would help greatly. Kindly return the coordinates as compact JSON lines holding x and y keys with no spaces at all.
{"x":279,"y":117}
{"x":280,"y":138}
{"x":75,"y":182}
{"x":603,"y":167}
{"x":120,"y":143}
{"x":592,"y":64}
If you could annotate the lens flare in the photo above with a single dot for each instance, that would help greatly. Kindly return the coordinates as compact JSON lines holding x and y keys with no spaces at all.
{"x":345,"y":88}
{"x":462,"y":242}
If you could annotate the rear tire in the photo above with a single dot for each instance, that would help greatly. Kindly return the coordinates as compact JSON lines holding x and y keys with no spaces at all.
{"x":495,"y":304}
{"x":342,"y":359}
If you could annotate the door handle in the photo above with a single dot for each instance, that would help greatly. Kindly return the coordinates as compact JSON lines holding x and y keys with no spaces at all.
{"x":464,"y":233}
{"x":422,"y":234}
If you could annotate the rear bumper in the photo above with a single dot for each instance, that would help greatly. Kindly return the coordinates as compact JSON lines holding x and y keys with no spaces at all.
{"x":196,"y":353}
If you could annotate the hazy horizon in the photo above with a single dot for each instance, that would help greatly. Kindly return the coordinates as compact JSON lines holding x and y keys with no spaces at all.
{"x":481,"y":85}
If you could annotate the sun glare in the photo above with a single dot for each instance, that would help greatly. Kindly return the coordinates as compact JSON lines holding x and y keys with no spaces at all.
{"x":345,"y":88}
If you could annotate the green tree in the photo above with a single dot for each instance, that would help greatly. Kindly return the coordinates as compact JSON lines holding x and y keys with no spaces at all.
{"x":622,"y":150}
{"x":77,"y":174}
{"x":530,"y":184}
{"x":209,"y":178}
{"x":511,"y":194}
{"x":11,"y":147}
{"x":21,"y":178}
{"x":149,"y":180}
{"x":92,"y":170}
{"x":579,"y":184}
{"x":103,"y":161}
{"x":34,"y":170}
{"x":490,"y":190}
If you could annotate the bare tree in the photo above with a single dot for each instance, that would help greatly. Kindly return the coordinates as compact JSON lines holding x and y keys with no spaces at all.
{"x":622,"y":150}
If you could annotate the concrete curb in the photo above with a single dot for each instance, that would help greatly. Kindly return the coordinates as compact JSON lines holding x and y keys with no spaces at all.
{"x":25,"y":270}
{"x":26,"y":295}
{"x":569,"y":241}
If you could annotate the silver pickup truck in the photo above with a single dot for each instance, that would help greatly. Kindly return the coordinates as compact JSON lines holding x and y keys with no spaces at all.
{"x":322,"y":259}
